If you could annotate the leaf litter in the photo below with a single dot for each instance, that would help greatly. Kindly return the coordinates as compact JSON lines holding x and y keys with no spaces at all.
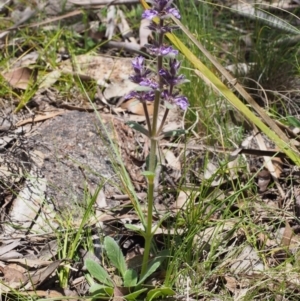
{"x":273,"y":208}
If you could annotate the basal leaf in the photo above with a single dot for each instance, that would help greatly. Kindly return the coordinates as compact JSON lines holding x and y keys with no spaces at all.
{"x":130,"y":278}
{"x":98,"y":272}
{"x":134,"y":295}
{"x":159,"y":292}
{"x":115,"y":254}
{"x":154,"y":265}
{"x":99,"y":289}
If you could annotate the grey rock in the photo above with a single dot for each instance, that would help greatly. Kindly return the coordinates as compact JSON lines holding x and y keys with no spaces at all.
{"x":75,"y":153}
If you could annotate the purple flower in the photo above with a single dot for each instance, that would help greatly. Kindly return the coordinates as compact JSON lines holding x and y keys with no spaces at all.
{"x":161,"y":9}
{"x":181,"y":102}
{"x":149,"y":83}
{"x":141,"y":72}
{"x":174,"y":12}
{"x":141,"y":95}
{"x":174,"y":66}
{"x":162,"y":50}
{"x":175,"y":98}
{"x":138,"y":63}
{"x":149,"y":14}
{"x":171,"y":79}
{"x":161,"y":5}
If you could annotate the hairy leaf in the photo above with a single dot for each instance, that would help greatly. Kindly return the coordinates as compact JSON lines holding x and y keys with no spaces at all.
{"x":159,"y":292}
{"x":115,"y":254}
{"x":130,"y":278}
{"x":134,"y":295}
{"x":154,"y":265}
{"x":98,"y":272}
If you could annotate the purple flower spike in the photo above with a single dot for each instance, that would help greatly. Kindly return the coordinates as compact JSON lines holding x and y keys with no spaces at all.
{"x":149,"y":14}
{"x":166,"y":79}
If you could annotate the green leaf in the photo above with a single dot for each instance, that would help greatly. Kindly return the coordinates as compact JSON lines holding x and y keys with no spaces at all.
{"x":154,"y":265}
{"x":138,"y":128}
{"x":159,"y":292}
{"x":98,"y":272}
{"x":130,"y":278}
{"x":134,"y":295}
{"x":143,"y":88}
{"x":99,"y":289}
{"x":115,"y":254}
{"x":133,"y":228}
{"x":173,"y":133}
{"x":293,"y":121}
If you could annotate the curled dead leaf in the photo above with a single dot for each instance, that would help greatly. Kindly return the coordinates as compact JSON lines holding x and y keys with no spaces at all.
{"x":20,"y":78}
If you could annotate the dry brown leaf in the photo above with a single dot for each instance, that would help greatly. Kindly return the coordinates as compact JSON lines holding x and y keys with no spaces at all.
{"x":20,"y":78}
{"x":263,"y":180}
{"x":134,"y":106}
{"x":171,"y":159}
{"x":120,"y":292}
{"x":247,"y":261}
{"x":5,"y":248}
{"x":287,"y":235}
{"x":110,"y":22}
{"x":49,"y":79}
{"x":40,"y":117}
{"x":47,"y":293}
{"x":277,"y":164}
{"x":231,"y":284}
{"x":41,"y":275}
{"x":31,"y":262}
{"x":12,"y":275}
{"x":183,"y":198}
{"x":181,"y":201}
{"x":144,"y":32}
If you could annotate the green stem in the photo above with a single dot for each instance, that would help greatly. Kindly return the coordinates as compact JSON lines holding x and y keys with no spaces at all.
{"x":148,"y":235}
{"x":147,"y":117}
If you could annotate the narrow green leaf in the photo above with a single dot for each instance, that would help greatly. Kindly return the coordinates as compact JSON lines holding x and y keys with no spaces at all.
{"x":154,"y":265}
{"x":159,"y":292}
{"x":134,"y":295}
{"x":130,"y":278}
{"x":173,"y":133}
{"x":98,"y":272}
{"x":293,"y":121}
{"x":115,"y":254}
{"x":133,"y":228}
{"x":138,"y":127}
{"x":143,"y":88}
